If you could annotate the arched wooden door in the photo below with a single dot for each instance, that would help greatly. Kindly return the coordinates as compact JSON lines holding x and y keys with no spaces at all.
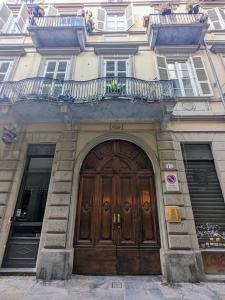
{"x":116,"y":224}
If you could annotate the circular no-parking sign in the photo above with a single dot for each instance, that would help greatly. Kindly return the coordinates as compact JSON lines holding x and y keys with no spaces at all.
{"x":171,"y":179}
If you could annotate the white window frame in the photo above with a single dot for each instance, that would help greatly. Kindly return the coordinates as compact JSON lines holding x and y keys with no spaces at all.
{"x":115,"y":20}
{"x":179,"y":77}
{"x":220,"y":20}
{"x":126,"y":59}
{"x":44,"y":65}
{"x":10,"y":68}
{"x":10,"y":26}
{"x":56,"y":68}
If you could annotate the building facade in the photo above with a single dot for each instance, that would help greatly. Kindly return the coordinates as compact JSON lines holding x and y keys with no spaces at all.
{"x":112,"y":152}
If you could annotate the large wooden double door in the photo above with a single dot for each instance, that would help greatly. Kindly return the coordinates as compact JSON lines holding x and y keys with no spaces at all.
{"x":116,"y":225}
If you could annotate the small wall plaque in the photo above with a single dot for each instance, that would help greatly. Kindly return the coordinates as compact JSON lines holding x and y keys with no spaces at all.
{"x":173,"y":214}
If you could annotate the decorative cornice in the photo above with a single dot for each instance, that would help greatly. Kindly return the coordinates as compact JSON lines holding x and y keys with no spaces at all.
{"x":113,"y":49}
{"x":59,"y":51}
{"x":12,"y":50}
{"x":218,"y":47}
{"x":198,"y":117}
{"x":175,"y":49}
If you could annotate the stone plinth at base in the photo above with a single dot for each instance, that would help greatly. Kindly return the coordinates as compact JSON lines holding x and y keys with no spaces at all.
{"x":182,"y":265}
{"x":55,"y":264}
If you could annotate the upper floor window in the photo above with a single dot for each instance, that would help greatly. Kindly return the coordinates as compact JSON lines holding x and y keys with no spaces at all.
{"x":183,"y":79}
{"x":216,"y":18}
{"x":116,"y":68}
{"x":5,"y":69}
{"x":108,"y":21}
{"x":11,"y":24}
{"x":189,"y":77}
{"x":115,"y":22}
{"x":57,"y":69}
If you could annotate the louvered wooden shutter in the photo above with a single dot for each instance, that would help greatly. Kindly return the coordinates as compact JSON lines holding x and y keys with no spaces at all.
{"x":51,"y":11}
{"x":162,"y":68}
{"x":201,"y":76}
{"x":129,"y":16}
{"x":22,"y":18}
{"x":100,"y":19}
{"x":222,"y":13}
{"x":5,"y":15}
{"x":215,"y":19}
{"x":204,"y":188}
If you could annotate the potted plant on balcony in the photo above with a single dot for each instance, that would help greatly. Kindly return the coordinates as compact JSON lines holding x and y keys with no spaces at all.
{"x":116,"y":88}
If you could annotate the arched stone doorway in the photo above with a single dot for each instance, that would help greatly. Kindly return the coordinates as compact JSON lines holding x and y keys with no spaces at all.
{"x":116,"y":228}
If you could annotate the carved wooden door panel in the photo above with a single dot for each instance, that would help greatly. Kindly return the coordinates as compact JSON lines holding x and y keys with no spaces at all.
{"x":116,"y":226}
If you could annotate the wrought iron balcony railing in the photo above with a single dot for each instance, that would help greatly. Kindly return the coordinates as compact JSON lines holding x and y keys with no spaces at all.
{"x":47,"y":89}
{"x":175,"y":19}
{"x":59,"y":21}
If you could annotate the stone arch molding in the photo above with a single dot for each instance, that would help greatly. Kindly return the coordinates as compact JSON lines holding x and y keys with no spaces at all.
{"x":76,"y":177}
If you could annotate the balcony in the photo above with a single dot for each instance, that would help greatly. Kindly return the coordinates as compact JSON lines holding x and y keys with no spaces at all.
{"x":174,"y":30}
{"x":101,"y":99}
{"x":58,"y":32}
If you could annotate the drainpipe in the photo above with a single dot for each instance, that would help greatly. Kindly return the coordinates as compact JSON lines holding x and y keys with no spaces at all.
{"x":218,"y":85}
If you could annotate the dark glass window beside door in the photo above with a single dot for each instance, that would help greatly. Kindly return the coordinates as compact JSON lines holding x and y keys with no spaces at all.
{"x":22,"y":246}
{"x":31,"y":204}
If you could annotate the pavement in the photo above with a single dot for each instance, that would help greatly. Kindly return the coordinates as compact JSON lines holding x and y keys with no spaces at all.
{"x":107,"y":288}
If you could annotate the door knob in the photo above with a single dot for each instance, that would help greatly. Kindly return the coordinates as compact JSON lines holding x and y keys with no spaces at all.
{"x":118,"y":218}
{"x":114,"y":218}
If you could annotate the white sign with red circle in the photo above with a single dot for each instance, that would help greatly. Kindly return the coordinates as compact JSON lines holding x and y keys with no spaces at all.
{"x":171,"y":181}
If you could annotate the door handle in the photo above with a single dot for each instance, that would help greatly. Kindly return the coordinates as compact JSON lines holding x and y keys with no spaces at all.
{"x":118,"y":220}
{"x":114,"y":218}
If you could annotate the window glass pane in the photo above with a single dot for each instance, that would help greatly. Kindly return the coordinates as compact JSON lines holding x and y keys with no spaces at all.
{"x":110,"y":66}
{"x":187,"y":83}
{"x":13,"y":28}
{"x":121,"y":74}
{"x":38,"y":163}
{"x":4,"y":67}
{"x":108,"y":74}
{"x":178,"y":93}
{"x":62,"y":66}
{"x":60,"y":76}
{"x":49,"y":75}
{"x":189,"y":93}
{"x":2,"y":77}
{"x":51,"y":66}
{"x":172,"y":71}
{"x":120,"y":18}
{"x":121,"y":65}
{"x":110,"y":18}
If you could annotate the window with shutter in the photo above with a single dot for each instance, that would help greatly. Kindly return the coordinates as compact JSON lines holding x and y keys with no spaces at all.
{"x":5,"y":17}
{"x":162,"y":67}
{"x":22,"y":18}
{"x":216,"y":19}
{"x":201,"y":77}
{"x":189,"y":77}
{"x":182,"y":78}
{"x":5,"y":69}
{"x":100,"y":23}
{"x":129,"y":16}
{"x":51,"y":11}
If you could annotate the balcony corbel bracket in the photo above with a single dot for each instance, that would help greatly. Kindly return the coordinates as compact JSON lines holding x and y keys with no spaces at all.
{"x":66,"y":115}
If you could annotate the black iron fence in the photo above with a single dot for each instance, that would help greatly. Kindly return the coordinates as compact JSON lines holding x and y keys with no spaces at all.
{"x":47,"y":89}
{"x":59,"y":21}
{"x":176,"y":18}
